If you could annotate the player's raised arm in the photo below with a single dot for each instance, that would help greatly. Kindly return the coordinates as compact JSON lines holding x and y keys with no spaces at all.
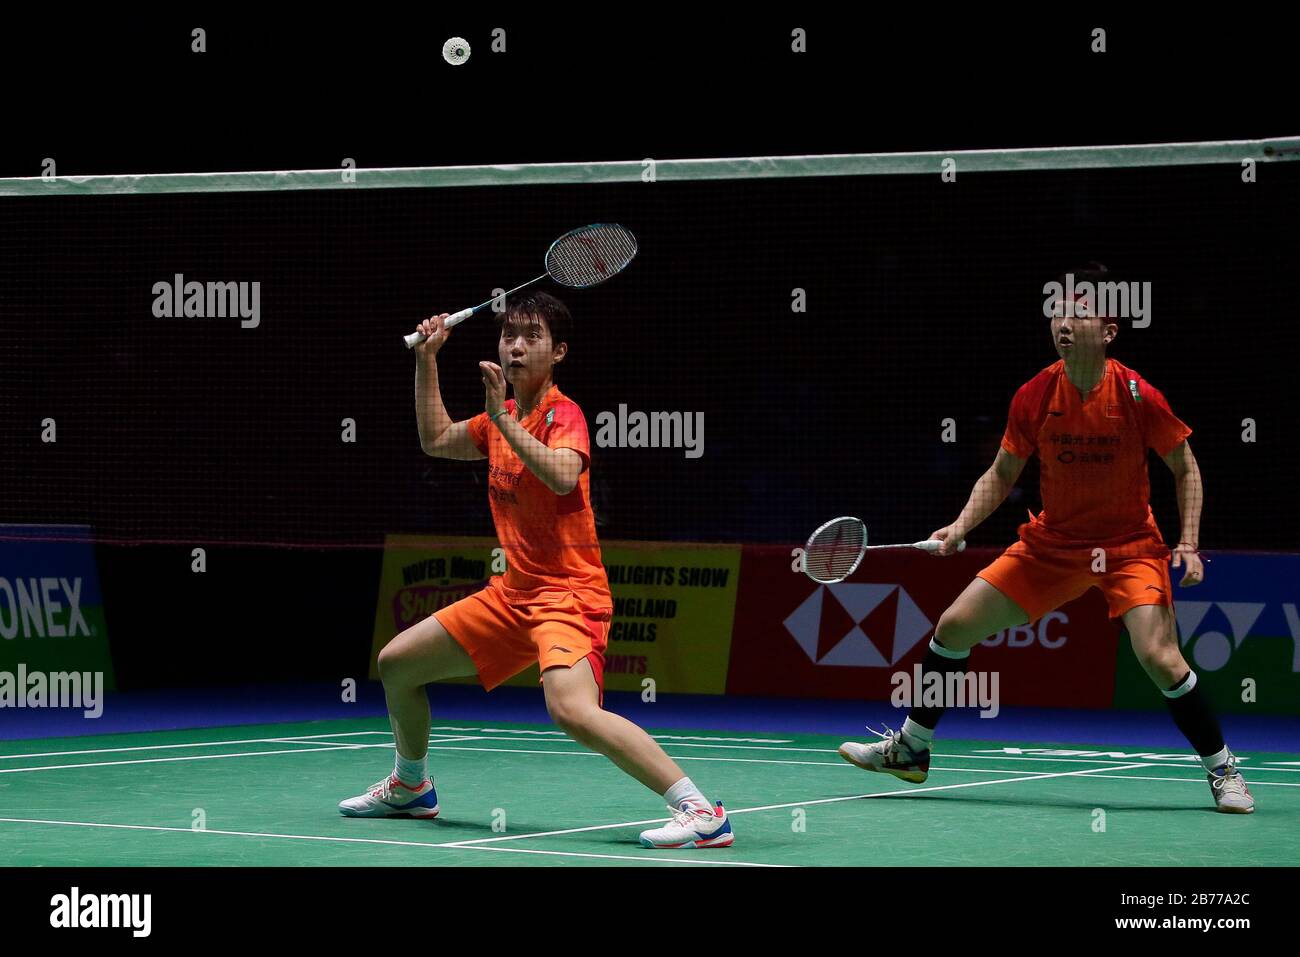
{"x":557,"y":468}
{"x":439,"y":435}
{"x":989,"y":492}
{"x":1191,"y":495}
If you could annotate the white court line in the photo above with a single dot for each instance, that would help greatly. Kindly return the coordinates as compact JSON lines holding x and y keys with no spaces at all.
{"x":564,"y":739}
{"x":1187,"y":762}
{"x":443,"y":744}
{"x":778,"y":807}
{"x":1190,"y":763}
{"x":1200,"y":780}
{"x":683,"y":757}
{"x":1107,"y":766}
{"x":332,"y":747}
{"x":657,"y":737}
{"x":437,"y":744}
{"x":337,"y":745}
{"x":441,"y":739}
{"x":370,"y":840}
{"x":191,"y":744}
{"x":616,"y":857}
{"x":187,"y":757}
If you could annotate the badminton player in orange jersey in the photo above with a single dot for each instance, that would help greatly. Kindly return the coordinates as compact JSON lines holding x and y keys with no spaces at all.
{"x":552,"y":606}
{"x":1090,"y":420}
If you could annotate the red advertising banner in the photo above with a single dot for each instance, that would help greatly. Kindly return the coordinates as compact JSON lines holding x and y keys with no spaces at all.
{"x":795,"y":637}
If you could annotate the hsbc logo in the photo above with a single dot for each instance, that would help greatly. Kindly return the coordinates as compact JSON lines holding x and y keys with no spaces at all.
{"x":858,"y":625}
{"x":1022,"y":636}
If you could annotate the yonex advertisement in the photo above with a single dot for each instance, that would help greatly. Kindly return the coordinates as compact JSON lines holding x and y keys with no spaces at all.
{"x":54,"y":642}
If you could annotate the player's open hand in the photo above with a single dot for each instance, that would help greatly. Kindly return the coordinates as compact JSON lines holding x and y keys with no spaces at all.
{"x":435,"y":332}
{"x":494,"y":387}
{"x":951,"y":536}
{"x":1185,"y":556}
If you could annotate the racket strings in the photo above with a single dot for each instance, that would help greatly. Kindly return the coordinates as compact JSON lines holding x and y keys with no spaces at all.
{"x":833,"y":552}
{"x":589,"y":256}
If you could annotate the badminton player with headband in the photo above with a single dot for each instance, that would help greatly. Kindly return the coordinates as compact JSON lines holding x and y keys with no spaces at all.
{"x":1091,"y":421}
{"x":552,"y":606}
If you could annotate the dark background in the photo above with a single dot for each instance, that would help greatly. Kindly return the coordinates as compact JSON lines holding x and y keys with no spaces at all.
{"x":924,"y":298}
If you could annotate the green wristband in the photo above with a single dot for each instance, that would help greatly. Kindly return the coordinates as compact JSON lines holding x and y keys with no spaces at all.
{"x":498,"y":414}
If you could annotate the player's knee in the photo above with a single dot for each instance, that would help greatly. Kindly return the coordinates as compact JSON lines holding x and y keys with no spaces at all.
{"x":1165,"y":663}
{"x":956,"y":631}
{"x":391,"y":661}
{"x":572,"y":718}
{"x":560,"y":711}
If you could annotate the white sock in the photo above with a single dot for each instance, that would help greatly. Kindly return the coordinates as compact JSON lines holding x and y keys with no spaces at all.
{"x":412,"y":771}
{"x":917,"y":737}
{"x":685,"y":792}
{"x":1216,"y":760}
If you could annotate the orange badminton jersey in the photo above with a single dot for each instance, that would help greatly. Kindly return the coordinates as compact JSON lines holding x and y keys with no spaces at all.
{"x":549,"y":540}
{"x":1093,"y":459}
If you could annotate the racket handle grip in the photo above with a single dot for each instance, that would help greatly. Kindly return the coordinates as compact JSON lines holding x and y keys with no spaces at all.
{"x":933,"y":545}
{"x":457,"y":318}
{"x":415,"y":338}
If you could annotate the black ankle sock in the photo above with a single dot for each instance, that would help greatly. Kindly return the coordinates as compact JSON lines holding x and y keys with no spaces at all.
{"x":1195,"y":718}
{"x":933,"y":661}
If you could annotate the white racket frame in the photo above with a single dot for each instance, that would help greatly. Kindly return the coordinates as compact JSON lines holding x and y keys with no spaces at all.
{"x":929,"y":545}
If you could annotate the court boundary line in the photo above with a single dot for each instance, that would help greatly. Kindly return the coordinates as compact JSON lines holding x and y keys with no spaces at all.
{"x":1188,"y":763}
{"x":481,"y":843}
{"x":777,"y":807}
{"x":369,"y":840}
{"x":478,"y":842}
{"x":184,"y":744}
{"x":1200,"y":780}
{"x":448,"y":747}
{"x":217,"y":757}
{"x":444,"y":743}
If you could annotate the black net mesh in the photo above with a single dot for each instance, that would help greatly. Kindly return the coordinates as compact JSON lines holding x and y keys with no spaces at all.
{"x":846,"y":345}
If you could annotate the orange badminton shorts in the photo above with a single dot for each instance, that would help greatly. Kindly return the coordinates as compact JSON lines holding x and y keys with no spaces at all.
{"x":1040,"y":580}
{"x":505,"y":630}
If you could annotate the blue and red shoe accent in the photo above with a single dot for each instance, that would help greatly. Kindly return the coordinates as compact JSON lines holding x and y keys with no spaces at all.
{"x":392,"y":798}
{"x":721,"y":836}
